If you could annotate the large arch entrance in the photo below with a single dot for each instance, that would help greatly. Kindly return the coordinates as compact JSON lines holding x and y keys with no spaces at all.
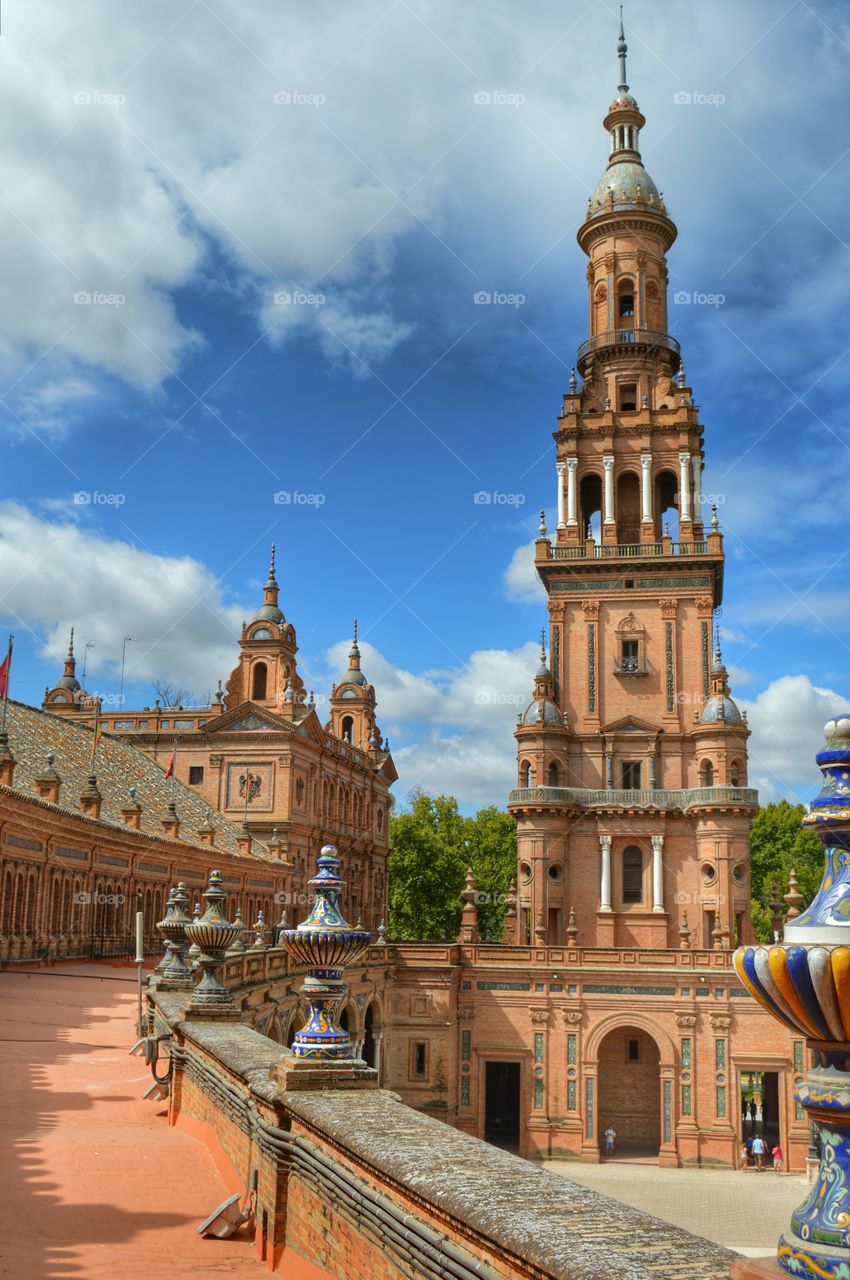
{"x":630,"y":1093}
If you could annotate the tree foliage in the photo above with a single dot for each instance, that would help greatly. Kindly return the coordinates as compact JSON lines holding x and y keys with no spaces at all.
{"x":432,"y":846}
{"x":778,"y":845}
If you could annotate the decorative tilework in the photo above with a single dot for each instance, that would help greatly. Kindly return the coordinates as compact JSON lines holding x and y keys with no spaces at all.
{"x":571,"y":1095}
{"x":556,"y":661}
{"x":572,"y":1049}
{"x":611,"y":990}
{"x":503,"y":986}
{"x":538,"y":1046}
{"x":70,"y":853}
{"x":720,"y":1102}
{"x":589,"y":1121}
{"x":108,"y":861}
{"x":23,"y":842}
{"x":798,"y":1057}
{"x":668,"y":1110}
{"x":668,"y":666}
{"x":686,"y":1053}
{"x":740,"y":993}
{"x":538,"y":1095}
{"x":591,"y":666}
{"x":464,"y":1091}
{"x":705,"y":653}
{"x":151,"y":866}
{"x":465,"y":1045}
{"x":686,"y":1100}
{"x":720,"y":1055}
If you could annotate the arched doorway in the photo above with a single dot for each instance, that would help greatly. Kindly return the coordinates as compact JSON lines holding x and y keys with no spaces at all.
{"x":630,"y":1093}
{"x":368,"y":1051}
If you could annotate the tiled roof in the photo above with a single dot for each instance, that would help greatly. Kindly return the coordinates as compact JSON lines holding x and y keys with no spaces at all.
{"x":119,"y":766}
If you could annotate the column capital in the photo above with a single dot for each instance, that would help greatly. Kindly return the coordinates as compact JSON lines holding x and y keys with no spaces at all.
{"x":608,"y":462}
{"x":657,"y":843}
{"x":560,"y":468}
{"x":685,"y":459}
{"x":646,"y":461}
{"x":572,"y":463}
{"x":605,"y":844}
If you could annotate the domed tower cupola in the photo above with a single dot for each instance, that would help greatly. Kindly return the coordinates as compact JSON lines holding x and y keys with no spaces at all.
{"x":719,"y":706}
{"x":721,"y":733}
{"x":67,"y":691}
{"x":353,"y":705}
{"x":270,"y":611}
{"x":539,"y":733}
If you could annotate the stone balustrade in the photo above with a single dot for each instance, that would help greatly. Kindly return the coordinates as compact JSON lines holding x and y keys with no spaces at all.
{"x":663,"y":799}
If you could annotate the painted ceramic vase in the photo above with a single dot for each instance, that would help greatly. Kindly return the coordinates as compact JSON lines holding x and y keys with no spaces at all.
{"x":805,"y":983}
{"x":325,"y":943}
{"x":173,"y":929}
{"x":214,"y":935}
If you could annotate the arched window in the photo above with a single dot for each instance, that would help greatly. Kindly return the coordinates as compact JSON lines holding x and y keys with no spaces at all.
{"x":590,"y":504}
{"x":736,"y":774}
{"x":379,"y":821}
{"x":525,"y":774}
{"x":667,"y":504}
{"x":626,"y":304}
{"x":632,"y":874}
{"x":348,"y":728}
{"x":259,"y":682}
{"x":706,"y":774}
{"x":552,"y":775}
{"x":628,"y":504}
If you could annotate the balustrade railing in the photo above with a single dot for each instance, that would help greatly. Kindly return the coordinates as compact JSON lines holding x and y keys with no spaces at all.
{"x":628,"y":338}
{"x":585,"y":798}
{"x":628,"y":550}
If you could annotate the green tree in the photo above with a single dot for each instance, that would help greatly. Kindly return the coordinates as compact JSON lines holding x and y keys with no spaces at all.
{"x":778,"y":845}
{"x":426,"y":870}
{"x":432,"y":846}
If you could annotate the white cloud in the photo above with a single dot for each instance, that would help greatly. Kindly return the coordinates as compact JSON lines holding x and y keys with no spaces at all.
{"x":787,"y":720}
{"x":56,"y":574}
{"x":521,"y":580}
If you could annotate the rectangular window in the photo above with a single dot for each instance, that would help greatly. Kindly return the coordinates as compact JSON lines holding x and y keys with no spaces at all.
{"x":627,"y":304}
{"x":420,"y":1059}
{"x":634,"y":1051}
{"x":196,"y":774}
{"x":628,"y":397}
{"x":632,"y":875}
{"x":631,"y":775}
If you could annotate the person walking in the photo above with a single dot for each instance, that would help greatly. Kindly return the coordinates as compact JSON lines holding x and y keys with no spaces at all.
{"x":776,"y":1154}
{"x":753,"y":1109}
{"x":610,"y":1138}
{"x":744,"y":1107}
{"x":744,"y":1155}
{"x":758,"y":1151}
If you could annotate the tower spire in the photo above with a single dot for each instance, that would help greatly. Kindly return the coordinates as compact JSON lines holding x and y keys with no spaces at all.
{"x":271,"y":581}
{"x":622,"y":50}
{"x":270,"y":610}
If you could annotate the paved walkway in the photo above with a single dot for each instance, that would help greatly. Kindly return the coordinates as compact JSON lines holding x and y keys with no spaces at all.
{"x":95,"y":1184}
{"x":743,"y":1210}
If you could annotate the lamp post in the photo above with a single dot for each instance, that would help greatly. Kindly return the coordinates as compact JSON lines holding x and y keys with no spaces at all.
{"x":127,"y":640}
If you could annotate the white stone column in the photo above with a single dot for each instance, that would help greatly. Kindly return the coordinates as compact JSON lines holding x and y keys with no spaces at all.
{"x":608,"y":464}
{"x":646,"y":487}
{"x":657,"y":873}
{"x":572,"y":472}
{"x":560,"y":469}
{"x":605,"y":879}
{"x":696,"y":461}
{"x":684,"y":486}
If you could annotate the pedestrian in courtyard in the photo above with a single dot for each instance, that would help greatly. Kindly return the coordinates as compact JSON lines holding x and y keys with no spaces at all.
{"x":610,"y":1137}
{"x":776,"y":1153}
{"x":744,"y":1155}
{"x":744,"y":1107}
{"x":758,"y":1151}
{"x":753,"y":1109}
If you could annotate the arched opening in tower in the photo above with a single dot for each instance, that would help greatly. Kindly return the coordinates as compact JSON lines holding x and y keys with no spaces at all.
{"x":667,"y":505}
{"x":628,"y":508}
{"x":590,"y":501}
{"x":630,"y":1093}
{"x":260,"y":681}
{"x":348,"y":728}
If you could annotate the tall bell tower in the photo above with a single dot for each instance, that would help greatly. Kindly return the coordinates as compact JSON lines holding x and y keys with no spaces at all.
{"x":632,"y":805}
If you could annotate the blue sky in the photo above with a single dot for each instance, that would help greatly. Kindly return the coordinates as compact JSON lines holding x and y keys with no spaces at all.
{"x":274,"y":223}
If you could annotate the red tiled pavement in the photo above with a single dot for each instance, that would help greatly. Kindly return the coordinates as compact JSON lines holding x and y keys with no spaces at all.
{"x":94,"y":1183}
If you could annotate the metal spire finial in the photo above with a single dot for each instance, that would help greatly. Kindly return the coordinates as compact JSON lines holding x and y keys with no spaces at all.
{"x":543,"y":645}
{"x":272,"y":581}
{"x":71,"y":644}
{"x":622,"y":50}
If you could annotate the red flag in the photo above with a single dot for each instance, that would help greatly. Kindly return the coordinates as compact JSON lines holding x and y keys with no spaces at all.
{"x":5,"y":670}
{"x":169,"y":773}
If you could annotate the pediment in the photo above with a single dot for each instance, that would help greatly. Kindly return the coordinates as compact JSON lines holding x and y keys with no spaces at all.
{"x":631,"y":724}
{"x":248,"y":717}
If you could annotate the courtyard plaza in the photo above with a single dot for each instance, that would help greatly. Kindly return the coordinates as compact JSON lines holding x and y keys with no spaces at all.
{"x":742,"y":1209}
{"x":97,"y":1184}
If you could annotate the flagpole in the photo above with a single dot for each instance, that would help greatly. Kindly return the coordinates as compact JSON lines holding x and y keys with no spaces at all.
{"x":6,"y":682}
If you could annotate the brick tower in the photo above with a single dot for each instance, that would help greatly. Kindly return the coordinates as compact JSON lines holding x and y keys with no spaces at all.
{"x":632,"y":805}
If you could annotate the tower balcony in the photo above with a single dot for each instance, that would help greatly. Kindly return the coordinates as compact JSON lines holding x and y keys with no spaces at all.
{"x":612,"y":798}
{"x":629,"y":550}
{"x":626,"y":341}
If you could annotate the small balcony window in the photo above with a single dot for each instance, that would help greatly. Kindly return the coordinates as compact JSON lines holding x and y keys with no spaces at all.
{"x":630,"y":660}
{"x":627,"y":305}
{"x":631,"y":775}
{"x":632,"y":875}
{"x":196,"y":774}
